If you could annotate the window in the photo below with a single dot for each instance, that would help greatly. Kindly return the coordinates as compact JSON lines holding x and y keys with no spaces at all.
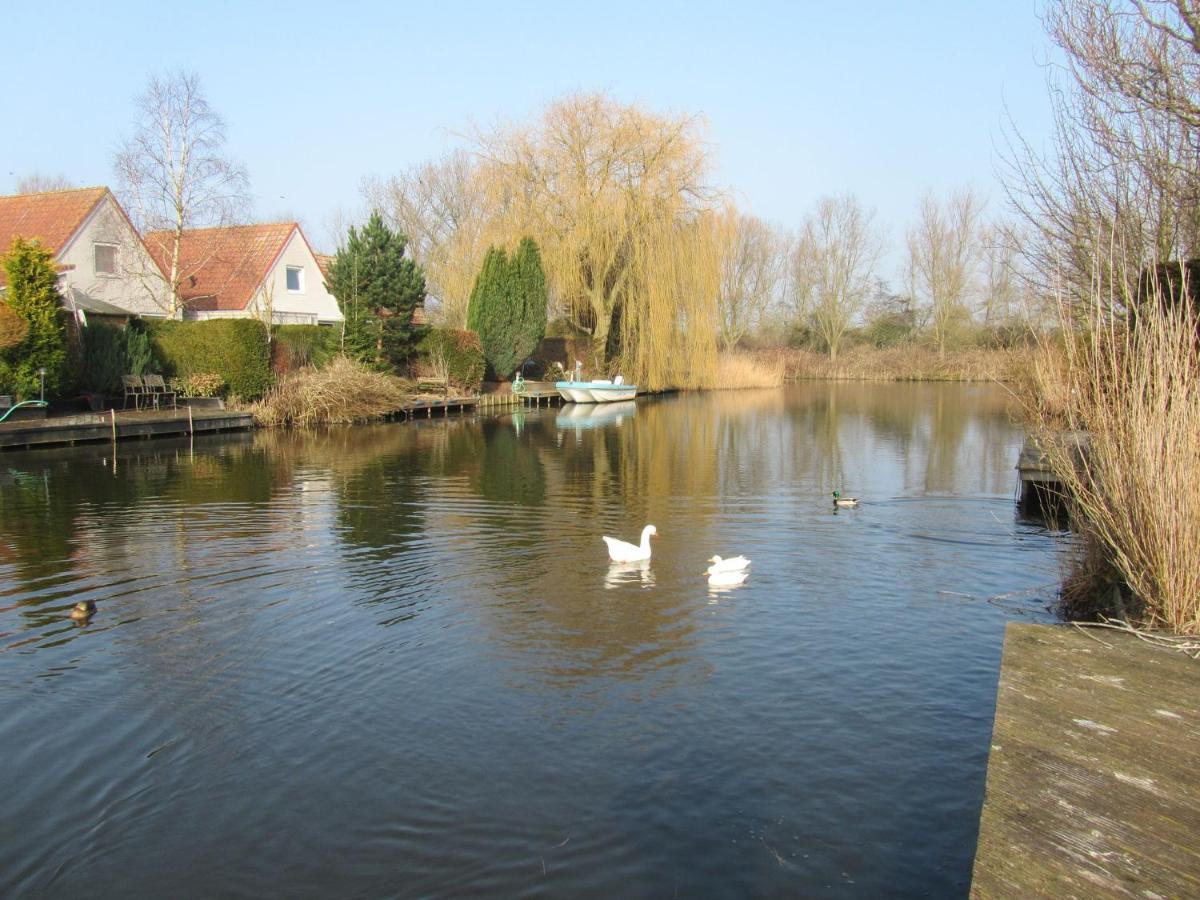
{"x":105,"y":260}
{"x":295,"y":279}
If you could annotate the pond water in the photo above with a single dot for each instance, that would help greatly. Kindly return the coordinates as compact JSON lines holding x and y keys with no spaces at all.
{"x":395,"y":660}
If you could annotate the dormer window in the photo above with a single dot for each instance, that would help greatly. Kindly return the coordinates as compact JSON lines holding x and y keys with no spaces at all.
{"x":295,"y":279}
{"x":104,"y":259}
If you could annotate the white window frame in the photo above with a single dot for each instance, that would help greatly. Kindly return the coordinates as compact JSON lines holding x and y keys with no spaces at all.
{"x":299,"y":270}
{"x":116,"y":248}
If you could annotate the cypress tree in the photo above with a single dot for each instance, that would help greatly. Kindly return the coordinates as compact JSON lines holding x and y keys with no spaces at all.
{"x":33,"y":296}
{"x":377,"y":288}
{"x":507,"y":308}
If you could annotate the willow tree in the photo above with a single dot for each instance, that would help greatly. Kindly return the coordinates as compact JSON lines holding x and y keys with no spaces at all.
{"x":609,"y":191}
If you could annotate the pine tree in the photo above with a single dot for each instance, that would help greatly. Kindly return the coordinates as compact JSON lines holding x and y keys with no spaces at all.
{"x":377,"y":288}
{"x":507,"y":308}
{"x":33,"y":295}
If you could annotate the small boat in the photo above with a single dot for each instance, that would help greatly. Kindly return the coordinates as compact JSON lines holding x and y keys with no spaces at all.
{"x":600,"y":391}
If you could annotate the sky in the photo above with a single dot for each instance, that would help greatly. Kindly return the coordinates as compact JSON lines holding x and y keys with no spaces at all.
{"x":800,"y":100}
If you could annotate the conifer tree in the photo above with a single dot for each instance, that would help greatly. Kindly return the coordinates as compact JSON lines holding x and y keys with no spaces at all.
{"x":33,"y":296}
{"x":507,"y":308}
{"x":377,"y":288}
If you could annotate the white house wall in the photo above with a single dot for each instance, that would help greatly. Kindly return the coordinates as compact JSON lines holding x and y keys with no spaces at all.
{"x":138,"y":286}
{"x":314,"y":305}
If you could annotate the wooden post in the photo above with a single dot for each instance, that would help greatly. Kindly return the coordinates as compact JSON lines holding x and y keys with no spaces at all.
{"x":114,"y":426}
{"x":191,"y":429}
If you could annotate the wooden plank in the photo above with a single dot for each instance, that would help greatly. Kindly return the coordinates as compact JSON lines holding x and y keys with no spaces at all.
{"x":99,"y":426}
{"x":1093,"y":784}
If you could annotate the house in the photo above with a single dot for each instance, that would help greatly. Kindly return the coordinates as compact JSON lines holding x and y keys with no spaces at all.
{"x":105,"y":269}
{"x":248,"y":271}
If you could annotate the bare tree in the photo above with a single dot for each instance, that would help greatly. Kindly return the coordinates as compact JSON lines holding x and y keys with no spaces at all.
{"x":832,"y":266}
{"x":38,"y":183}
{"x":942,"y":250}
{"x":1000,"y":278}
{"x":173,"y":173}
{"x":1120,"y":185}
{"x":753,"y":264}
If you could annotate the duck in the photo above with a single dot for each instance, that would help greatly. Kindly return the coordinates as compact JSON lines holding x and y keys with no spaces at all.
{"x":83,"y":610}
{"x":733,"y":564}
{"x":727,"y":579}
{"x":622,"y":551}
{"x":844,"y":502}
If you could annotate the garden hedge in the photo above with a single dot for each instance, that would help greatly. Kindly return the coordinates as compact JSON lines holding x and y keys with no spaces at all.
{"x":463,"y":353}
{"x":235,"y":349}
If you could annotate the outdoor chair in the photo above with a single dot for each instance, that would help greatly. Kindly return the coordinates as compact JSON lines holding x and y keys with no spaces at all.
{"x":134,"y":389}
{"x":157,"y":391}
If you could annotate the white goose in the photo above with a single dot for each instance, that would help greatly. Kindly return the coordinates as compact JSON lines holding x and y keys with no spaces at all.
{"x":622,"y":551}
{"x":727,"y":579}
{"x":733,"y":564}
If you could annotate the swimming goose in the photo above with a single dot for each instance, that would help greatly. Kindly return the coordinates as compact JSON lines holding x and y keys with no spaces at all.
{"x":839,"y":500}
{"x":733,"y":564}
{"x":622,"y":551}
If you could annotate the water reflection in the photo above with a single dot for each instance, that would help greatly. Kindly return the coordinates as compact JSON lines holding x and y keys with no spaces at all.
{"x":424,"y":615}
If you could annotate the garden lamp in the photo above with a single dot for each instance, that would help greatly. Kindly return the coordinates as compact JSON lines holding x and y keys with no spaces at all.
{"x":42,"y":373}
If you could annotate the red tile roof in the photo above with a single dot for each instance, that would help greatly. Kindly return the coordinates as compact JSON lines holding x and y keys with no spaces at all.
{"x":52,"y":217}
{"x":221,"y":267}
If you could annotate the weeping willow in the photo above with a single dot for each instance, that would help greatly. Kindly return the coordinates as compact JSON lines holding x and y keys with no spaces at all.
{"x":618,"y":200}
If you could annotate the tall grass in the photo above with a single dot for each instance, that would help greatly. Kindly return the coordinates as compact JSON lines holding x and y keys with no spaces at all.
{"x":909,"y":363}
{"x":742,"y":370}
{"x":341,"y":393}
{"x":1134,"y":491}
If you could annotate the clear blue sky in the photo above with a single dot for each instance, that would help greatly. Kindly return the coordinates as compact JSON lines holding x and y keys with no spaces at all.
{"x":801,"y":99}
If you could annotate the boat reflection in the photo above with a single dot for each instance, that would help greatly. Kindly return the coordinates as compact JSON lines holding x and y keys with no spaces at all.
{"x":598,"y":415}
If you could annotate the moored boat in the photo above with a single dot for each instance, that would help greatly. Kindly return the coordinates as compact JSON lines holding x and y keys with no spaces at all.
{"x":599,"y":391}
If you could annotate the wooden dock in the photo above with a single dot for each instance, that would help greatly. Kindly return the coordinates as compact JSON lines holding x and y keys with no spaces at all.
{"x":115,"y":425}
{"x":1093,"y":783}
{"x":1040,"y":485}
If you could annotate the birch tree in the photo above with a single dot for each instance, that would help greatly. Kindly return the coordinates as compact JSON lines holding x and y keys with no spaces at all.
{"x":833,"y":264}
{"x":173,"y":173}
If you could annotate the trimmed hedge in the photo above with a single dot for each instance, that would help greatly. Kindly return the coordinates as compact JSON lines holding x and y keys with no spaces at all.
{"x":305,"y":345}
{"x":462,"y":351}
{"x":235,"y":349}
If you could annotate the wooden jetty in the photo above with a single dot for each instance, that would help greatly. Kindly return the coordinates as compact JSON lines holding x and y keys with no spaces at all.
{"x":116,"y":425}
{"x":1040,"y":485}
{"x":1093,"y":783}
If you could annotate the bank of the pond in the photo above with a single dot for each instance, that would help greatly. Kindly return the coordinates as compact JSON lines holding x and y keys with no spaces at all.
{"x":1093,"y":782}
{"x":903,"y":364}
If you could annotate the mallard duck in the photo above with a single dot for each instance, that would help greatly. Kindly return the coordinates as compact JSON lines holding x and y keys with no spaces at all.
{"x":844,"y":502}
{"x":622,"y":551}
{"x":733,"y":564}
{"x":727,"y":579}
{"x":83,"y":610}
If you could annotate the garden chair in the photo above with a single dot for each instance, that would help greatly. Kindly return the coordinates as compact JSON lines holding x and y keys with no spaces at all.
{"x":134,"y":389}
{"x":157,"y":391}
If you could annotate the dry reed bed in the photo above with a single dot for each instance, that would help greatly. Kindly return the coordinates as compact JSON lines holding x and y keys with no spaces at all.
{"x":904,"y":364}
{"x":342,"y":393}
{"x":1135,"y":491}
{"x":736,"y":371}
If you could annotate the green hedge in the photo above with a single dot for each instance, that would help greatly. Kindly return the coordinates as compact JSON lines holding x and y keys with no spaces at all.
{"x":462,"y":351}
{"x":306,"y":345}
{"x":109,"y":351}
{"x":235,"y":349}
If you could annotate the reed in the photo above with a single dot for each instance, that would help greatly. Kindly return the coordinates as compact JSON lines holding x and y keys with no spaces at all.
{"x":741,"y":370}
{"x":911,"y":363}
{"x":341,"y":393}
{"x":1134,"y":495}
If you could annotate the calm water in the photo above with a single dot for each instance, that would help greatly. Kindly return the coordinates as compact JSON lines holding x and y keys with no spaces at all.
{"x":395,"y":660}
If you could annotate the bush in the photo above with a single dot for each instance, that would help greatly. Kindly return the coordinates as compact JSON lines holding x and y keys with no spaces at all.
{"x":200,"y":384}
{"x":343,"y":392}
{"x":235,"y":349}
{"x":462,"y":353}
{"x":33,"y":296}
{"x":108,"y":352}
{"x":298,"y":346}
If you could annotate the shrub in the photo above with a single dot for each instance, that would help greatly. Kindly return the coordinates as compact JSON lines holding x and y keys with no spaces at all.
{"x":33,"y":295}
{"x":462,"y":352}
{"x":199,"y":384}
{"x":12,"y":327}
{"x":235,"y":349}
{"x":108,"y":352}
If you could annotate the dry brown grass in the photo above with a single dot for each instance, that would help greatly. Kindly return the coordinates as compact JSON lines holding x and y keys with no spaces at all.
{"x":905,"y":364}
{"x":341,"y":393}
{"x":742,"y":370}
{"x":1134,"y":492}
